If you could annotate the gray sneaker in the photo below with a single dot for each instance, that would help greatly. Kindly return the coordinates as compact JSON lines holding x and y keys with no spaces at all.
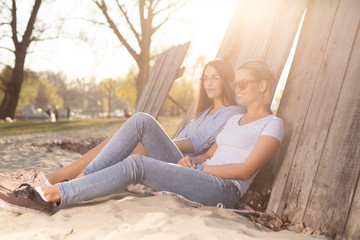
{"x":14,"y":180}
{"x":25,"y":199}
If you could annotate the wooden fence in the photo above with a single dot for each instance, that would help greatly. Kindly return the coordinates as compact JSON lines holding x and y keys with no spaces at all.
{"x":317,"y":169}
{"x":318,"y":179}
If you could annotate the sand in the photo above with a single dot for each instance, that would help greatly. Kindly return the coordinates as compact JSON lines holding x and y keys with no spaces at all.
{"x":120,"y":216}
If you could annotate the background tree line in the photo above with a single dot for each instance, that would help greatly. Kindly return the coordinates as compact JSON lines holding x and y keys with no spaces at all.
{"x":133,"y":23}
{"x":44,"y":89}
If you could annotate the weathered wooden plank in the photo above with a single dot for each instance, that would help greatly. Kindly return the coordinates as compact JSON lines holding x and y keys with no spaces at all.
{"x":338,"y":172}
{"x":314,"y":133}
{"x":142,"y":105}
{"x":155,"y":80}
{"x":321,"y":109}
{"x":297,"y":96}
{"x":162,"y":85}
{"x":160,"y":81}
{"x":262,"y":30}
{"x":166,"y":69}
{"x":352,"y":228}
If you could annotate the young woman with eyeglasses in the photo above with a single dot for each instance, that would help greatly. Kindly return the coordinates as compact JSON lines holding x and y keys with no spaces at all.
{"x":215,"y":105}
{"x":220,"y":175}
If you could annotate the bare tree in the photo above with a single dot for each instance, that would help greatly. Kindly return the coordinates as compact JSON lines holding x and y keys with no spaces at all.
{"x":108,"y":86}
{"x":12,"y":86}
{"x":142,"y":29}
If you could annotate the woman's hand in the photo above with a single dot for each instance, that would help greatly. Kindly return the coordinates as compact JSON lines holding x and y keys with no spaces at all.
{"x":186,"y":162}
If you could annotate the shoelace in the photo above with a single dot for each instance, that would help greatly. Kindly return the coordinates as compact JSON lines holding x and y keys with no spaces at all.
{"x":31,"y":176}
{"x":27,"y":192}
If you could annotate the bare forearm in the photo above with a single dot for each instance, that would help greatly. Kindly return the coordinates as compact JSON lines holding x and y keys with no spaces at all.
{"x":185,"y":145}
{"x":229,"y":171}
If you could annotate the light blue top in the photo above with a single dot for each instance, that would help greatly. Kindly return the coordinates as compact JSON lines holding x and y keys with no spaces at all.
{"x":203,"y":130}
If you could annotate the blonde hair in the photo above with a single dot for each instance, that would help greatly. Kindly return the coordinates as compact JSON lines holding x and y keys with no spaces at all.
{"x":262,"y":71}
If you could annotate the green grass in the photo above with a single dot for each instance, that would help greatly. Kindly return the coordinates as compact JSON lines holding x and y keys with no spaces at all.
{"x":42,"y":126}
{"x":170,"y":124}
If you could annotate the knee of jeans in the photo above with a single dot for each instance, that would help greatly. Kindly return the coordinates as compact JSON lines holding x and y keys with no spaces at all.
{"x":135,"y":165}
{"x":135,"y":160}
{"x":142,"y":116}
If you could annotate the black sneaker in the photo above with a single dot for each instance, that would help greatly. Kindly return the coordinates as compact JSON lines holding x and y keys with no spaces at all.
{"x":25,"y":199}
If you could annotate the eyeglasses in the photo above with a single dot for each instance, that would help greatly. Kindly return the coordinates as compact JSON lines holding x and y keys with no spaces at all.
{"x":241,"y":84}
{"x":212,"y":78}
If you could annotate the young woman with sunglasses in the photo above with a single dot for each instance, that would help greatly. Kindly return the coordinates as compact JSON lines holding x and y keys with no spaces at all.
{"x":215,"y":105}
{"x":221,"y":175}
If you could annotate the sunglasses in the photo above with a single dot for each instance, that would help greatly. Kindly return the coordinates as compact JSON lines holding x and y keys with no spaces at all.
{"x":242,"y":84}
{"x":213,"y":78}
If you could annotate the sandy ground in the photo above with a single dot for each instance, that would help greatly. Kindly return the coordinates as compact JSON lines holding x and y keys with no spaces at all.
{"x":119,"y":216}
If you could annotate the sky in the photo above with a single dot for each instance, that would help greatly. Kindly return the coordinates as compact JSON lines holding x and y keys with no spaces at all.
{"x":203,"y":22}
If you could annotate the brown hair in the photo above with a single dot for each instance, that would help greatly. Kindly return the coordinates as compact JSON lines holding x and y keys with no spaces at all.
{"x":226,"y":74}
{"x":262,"y":71}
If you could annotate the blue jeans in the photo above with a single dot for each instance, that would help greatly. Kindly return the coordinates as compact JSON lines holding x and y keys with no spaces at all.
{"x":114,"y":169}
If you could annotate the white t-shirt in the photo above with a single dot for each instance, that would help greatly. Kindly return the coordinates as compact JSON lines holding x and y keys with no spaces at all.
{"x":236,"y":142}
{"x":202,"y":131}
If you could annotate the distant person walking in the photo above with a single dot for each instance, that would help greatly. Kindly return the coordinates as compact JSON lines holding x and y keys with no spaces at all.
{"x":56,"y":112}
{"x":127,"y":114}
{"x":48,"y":113}
{"x":68,"y":111}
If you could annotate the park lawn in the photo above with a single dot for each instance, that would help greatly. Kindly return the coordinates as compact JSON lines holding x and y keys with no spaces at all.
{"x":170,"y":125}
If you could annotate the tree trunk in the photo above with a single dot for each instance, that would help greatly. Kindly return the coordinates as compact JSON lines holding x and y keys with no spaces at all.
{"x":143,"y":64}
{"x":13,"y":87}
{"x":9,"y":103}
{"x":141,"y":78}
{"x":109,"y":101}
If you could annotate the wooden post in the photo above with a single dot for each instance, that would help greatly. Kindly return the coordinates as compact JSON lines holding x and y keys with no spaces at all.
{"x":352,"y":228}
{"x":165,"y":71}
{"x":176,"y":104}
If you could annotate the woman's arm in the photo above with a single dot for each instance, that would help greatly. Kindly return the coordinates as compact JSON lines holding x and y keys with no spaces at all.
{"x":185,"y":145}
{"x":197,"y":141}
{"x":264,"y":149}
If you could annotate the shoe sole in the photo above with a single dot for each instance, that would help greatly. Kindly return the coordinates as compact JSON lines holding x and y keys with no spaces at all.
{"x":14,"y":208}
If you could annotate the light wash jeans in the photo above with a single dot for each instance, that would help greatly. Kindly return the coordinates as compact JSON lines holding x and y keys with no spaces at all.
{"x":114,"y":169}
